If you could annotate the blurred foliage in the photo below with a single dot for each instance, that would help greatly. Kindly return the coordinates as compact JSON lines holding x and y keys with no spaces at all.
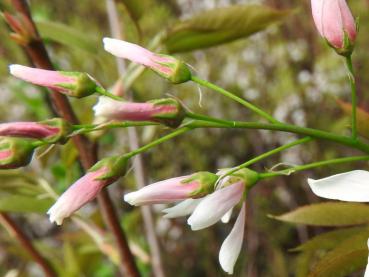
{"x":287,"y":69}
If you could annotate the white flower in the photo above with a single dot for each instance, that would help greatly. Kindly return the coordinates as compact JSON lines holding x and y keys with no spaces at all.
{"x":215,"y":206}
{"x":351,"y":186}
{"x":231,"y":247}
{"x":183,"y":208}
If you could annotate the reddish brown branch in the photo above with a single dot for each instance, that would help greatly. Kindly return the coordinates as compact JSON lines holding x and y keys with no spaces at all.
{"x":27,"y":245}
{"x":36,"y":50}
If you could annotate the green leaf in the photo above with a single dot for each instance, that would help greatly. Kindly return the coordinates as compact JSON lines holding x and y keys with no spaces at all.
{"x":24,"y":204}
{"x":329,"y":240}
{"x":362,"y":117}
{"x":221,"y":25}
{"x":348,"y":257}
{"x":328,"y":214}
{"x":66,"y":35}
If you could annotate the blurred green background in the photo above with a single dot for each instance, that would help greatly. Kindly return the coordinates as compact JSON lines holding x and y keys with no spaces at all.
{"x":287,"y":69}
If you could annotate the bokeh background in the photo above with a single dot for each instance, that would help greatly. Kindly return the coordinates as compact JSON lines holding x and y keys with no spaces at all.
{"x":287,"y":69}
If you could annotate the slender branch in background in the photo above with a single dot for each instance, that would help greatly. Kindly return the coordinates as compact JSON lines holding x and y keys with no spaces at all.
{"x":138,"y":165}
{"x":234,"y":97}
{"x":87,"y":151}
{"x":8,"y":222}
{"x":351,"y":77}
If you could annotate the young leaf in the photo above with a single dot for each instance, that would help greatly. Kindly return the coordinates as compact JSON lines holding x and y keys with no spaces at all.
{"x":24,"y":204}
{"x":221,"y":25}
{"x":362,"y":117}
{"x":66,"y":35}
{"x":329,"y":240}
{"x":328,"y":214}
{"x":348,"y":257}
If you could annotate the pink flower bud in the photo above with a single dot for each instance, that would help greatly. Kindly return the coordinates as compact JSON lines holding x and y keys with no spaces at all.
{"x":167,"y":66}
{"x":15,"y":152}
{"x":74,"y":84}
{"x":174,"y":189}
{"x":334,"y":22}
{"x":102,"y":174}
{"x":166,"y":111}
{"x":53,"y":130}
{"x":77,"y":195}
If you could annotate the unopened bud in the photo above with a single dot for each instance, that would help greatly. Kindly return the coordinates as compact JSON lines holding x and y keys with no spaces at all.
{"x":174,"y":70}
{"x":336,"y":24}
{"x":166,"y":111}
{"x":74,"y":84}
{"x":15,"y":152}
{"x":174,"y":189}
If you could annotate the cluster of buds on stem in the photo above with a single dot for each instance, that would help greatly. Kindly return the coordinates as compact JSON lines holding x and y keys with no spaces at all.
{"x":18,"y":140}
{"x":167,"y":111}
{"x":336,"y":24}
{"x":206,"y":202}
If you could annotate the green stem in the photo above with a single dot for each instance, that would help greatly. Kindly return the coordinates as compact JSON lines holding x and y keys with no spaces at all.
{"x":104,"y":92}
{"x":283,"y":128}
{"x":351,"y":77}
{"x":312,"y":165}
{"x":235,"y":98}
{"x":268,"y":154}
{"x":88,"y":128}
{"x":146,"y":147}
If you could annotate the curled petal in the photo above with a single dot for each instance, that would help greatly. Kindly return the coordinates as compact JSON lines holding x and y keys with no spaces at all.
{"x":351,"y":186}
{"x":231,"y":247}
{"x":215,"y":205}
{"x":227,"y":216}
{"x":183,"y":208}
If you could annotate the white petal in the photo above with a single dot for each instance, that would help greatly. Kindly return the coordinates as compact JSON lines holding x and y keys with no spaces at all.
{"x":367,"y":267}
{"x":183,"y":208}
{"x":225,"y":219}
{"x":215,"y":205}
{"x":351,"y":186}
{"x":231,"y":247}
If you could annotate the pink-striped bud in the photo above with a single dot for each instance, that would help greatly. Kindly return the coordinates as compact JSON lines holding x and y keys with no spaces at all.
{"x":102,"y":174}
{"x":335,"y":23}
{"x":74,"y":84}
{"x":166,"y":66}
{"x":15,"y":152}
{"x":166,"y":111}
{"x":52,"y":131}
{"x":174,"y":189}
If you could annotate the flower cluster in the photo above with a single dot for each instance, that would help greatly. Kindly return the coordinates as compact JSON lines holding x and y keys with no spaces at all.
{"x":205,"y":202}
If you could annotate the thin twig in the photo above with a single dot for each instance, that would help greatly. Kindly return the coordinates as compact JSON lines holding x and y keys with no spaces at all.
{"x":87,"y":151}
{"x":26,"y":244}
{"x":138,"y":164}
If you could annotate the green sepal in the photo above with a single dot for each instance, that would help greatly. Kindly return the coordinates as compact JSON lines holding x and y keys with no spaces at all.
{"x":248,"y":176}
{"x":83,"y":86}
{"x":180,"y":71}
{"x":206,"y":182}
{"x":65,"y":129}
{"x":117,"y":167}
{"x":170,"y":119}
{"x":22,"y":150}
{"x":348,"y":46}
